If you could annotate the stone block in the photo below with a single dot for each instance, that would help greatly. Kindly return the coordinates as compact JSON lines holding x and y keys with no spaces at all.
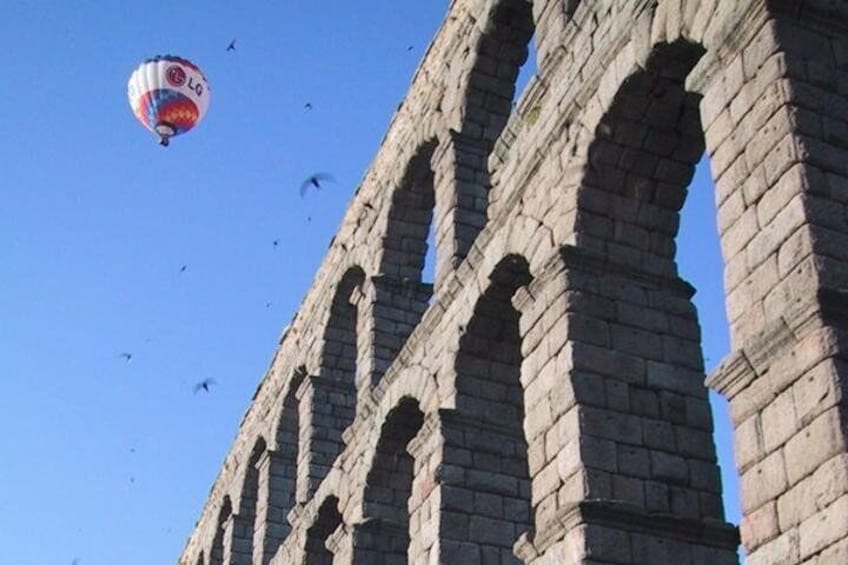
{"x":658,"y":434}
{"x":820,"y":387}
{"x":779,"y":421}
{"x":607,"y":545}
{"x":760,"y":526}
{"x":764,"y":482}
{"x":817,"y":491}
{"x":657,"y":497}
{"x":633,"y":461}
{"x":594,"y":452}
{"x":489,"y":531}
{"x":654,"y":549}
{"x":784,"y":550}
{"x":813,"y":445}
{"x":628,"y":489}
{"x":669,"y":468}
{"x":827,"y":526}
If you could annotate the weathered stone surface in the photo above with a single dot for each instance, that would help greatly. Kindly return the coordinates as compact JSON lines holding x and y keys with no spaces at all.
{"x":542,"y":399}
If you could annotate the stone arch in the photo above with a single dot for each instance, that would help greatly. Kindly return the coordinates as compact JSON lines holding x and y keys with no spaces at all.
{"x":640,"y":163}
{"x":410,"y":218}
{"x":388,"y":486}
{"x":279,"y":476}
{"x":500,"y":50}
{"x":246,"y":517}
{"x":217,"y":552}
{"x":340,"y":349}
{"x":326,"y":523}
{"x":485,"y":459}
{"x":398,"y":295}
{"x":327,"y":401}
{"x":633,"y":417}
{"x":483,"y":106}
{"x":489,"y":360}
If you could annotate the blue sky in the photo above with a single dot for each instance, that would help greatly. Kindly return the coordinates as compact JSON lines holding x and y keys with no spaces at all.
{"x":110,"y":461}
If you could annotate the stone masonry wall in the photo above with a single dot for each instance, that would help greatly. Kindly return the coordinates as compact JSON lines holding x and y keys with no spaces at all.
{"x":543,"y":402}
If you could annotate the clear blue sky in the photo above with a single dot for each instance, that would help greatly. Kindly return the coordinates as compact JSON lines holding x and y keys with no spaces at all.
{"x":110,"y":462}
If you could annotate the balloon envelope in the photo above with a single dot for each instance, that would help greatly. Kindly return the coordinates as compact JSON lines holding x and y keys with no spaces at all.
{"x":169,"y":95}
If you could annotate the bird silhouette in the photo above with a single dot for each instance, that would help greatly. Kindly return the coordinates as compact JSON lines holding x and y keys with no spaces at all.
{"x":203,"y":385}
{"x":307,"y":106}
{"x":275,"y":243}
{"x":409,"y":48}
{"x":232,"y":45}
{"x":126,"y":356}
{"x":183,"y":269}
{"x":315,"y":181}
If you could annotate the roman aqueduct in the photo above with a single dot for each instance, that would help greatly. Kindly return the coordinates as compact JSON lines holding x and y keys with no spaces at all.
{"x":544,"y":400}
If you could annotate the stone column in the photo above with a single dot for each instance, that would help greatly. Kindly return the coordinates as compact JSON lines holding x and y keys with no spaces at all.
{"x":326,"y":409}
{"x":372,"y":542}
{"x":236,"y":544}
{"x":621,"y":455}
{"x":550,"y":17}
{"x":425,"y":449}
{"x":462,"y":197}
{"x":460,"y":511}
{"x":276,"y":496}
{"x":387,"y":317}
{"x":775,"y":109}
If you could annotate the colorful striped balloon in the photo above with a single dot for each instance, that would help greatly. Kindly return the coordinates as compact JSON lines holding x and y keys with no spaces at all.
{"x":169,"y":95}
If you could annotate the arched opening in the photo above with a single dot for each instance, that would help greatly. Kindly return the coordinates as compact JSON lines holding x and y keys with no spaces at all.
{"x":641,"y":162}
{"x":216,"y":554}
{"x":490,"y":413}
{"x":405,"y":247}
{"x":340,"y":351}
{"x":329,"y":406}
{"x":639,"y":168}
{"x":389,"y":484}
{"x":501,"y":52}
{"x":408,"y":264}
{"x":281,"y":479}
{"x":328,"y":520}
{"x":701,"y":263}
{"x":242,"y":552}
{"x":497,"y":56}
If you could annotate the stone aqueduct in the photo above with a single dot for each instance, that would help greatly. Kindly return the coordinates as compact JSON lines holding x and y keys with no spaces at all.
{"x":544,"y":401}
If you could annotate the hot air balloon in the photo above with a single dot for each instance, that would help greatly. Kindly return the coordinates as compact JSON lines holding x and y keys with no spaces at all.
{"x":169,"y":95}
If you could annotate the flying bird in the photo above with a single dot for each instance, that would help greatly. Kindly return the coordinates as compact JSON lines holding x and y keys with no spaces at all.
{"x":203,"y":385}
{"x":409,"y":48}
{"x":232,"y":45}
{"x":275,"y":243}
{"x":126,"y":356}
{"x":307,"y":106}
{"x":314,"y":181}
